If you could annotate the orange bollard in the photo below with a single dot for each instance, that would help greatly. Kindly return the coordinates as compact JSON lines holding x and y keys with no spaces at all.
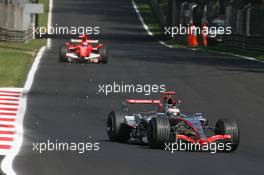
{"x":192,"y":37}
{"x":205,"y":33}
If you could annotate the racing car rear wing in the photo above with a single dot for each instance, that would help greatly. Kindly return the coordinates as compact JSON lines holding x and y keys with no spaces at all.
{"x":89,"y":41}
{"x":168,"y":93}
{"x":138,"y":101}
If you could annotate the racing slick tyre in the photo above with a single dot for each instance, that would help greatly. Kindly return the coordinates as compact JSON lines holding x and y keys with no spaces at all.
{"x":228,"y":126}
{"x":159,"y":132}
{"x":62,"y":53}
{"x":104,"y":55}
{"x":116,"y":128}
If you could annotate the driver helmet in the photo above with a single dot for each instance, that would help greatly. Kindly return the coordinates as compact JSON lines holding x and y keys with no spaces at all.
{"x":173,"y":111}
{"x":170,"y":102}
{"x":84,"y":44}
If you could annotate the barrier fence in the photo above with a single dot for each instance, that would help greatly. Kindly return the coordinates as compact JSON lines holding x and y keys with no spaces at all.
{"x":246,"y":20}
{"x":14,"y":35}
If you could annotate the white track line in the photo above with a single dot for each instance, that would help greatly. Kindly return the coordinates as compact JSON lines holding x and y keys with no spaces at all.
{"x":8,"y":129}
{"x":145,"y":26}
{"x":9,"y":98}
{"x":4,"y":152}
{"x":7,"y":117}
{"x":141,"y":18}
{"x":170,"y":46}
{"x":236,"y":55}
{"x":10,"y":93}
{"x":165,"y":44}
{"x":12,"y":89}
{"x":7,"y":162}
{"x":6,"y":123}
{"x":6,"y":135}
{"x":8,"y":106}
{"x":6,"y":143}
{"x":8,"y":101}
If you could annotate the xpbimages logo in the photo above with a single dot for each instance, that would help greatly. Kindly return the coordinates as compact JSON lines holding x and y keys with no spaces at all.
{"x":186,"y":146}
{"x":80,"y":147}
{"x":186,"y":30}
{"x":65,"y":30}
{"x":122,"y":87}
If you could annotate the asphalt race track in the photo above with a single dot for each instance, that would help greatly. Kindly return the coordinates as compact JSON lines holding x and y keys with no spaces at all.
{"x":64,"y":105}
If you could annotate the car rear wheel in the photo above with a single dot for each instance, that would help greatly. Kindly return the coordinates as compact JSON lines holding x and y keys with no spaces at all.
{"x":159,"y":132}
{"x":104,"y":55}
{"x":62,"y":53}
{"x":117,"y":130}
{"x":228,"y":126}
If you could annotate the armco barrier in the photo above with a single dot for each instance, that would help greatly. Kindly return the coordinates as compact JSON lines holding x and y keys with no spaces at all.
{"x":247,"y":26}
{"x":253,"y":43}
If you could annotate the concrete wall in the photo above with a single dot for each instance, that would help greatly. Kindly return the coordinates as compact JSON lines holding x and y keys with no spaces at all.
{"x":11,"y":16}
{"x":13,"y":26}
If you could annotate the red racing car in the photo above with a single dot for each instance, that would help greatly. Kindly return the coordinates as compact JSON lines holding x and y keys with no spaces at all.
{"x":83,"y":51}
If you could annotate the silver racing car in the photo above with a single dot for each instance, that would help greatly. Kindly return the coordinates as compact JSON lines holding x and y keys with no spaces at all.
{"x":167,"y":124}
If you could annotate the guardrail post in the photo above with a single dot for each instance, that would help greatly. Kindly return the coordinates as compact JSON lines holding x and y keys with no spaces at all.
{"x":248,"y":20}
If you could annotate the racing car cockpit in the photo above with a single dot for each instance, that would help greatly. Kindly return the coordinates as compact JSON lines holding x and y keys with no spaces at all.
{"x":170,"y":108}
{"x":172,"y":111}
{"x":84,"y":44}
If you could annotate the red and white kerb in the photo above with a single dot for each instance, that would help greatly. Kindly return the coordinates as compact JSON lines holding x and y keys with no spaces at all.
{"x":9,"y":106}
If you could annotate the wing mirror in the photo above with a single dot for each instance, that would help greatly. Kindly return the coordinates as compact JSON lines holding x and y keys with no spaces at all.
{"x":178,"y":103}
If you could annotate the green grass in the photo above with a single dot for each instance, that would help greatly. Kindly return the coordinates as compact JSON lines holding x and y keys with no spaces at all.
{"x":164,"y":5}
{"x":31,"y":46}
{"x":151,"y":20}
{"x":148,"y":16}
{"x":43,"y":18}
{"x":14,"y":67}
{"x":16,"y":58}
